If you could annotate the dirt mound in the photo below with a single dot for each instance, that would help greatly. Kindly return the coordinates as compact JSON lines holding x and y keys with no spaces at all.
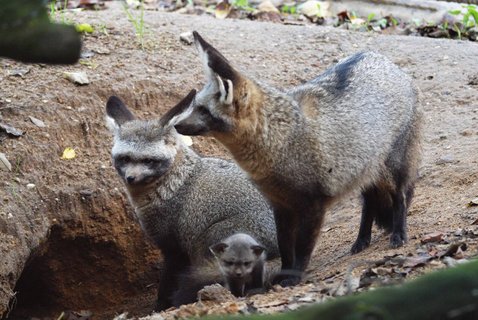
{"x":70,"y":242}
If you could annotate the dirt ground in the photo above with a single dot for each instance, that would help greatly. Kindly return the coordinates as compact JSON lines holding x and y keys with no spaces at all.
{"x":70,"y":242}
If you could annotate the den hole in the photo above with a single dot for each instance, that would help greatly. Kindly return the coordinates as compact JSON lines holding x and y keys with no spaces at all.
{"x":78,"y":277}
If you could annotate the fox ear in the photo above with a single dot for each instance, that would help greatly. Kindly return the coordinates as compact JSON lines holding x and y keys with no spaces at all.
{"x":215,"y":64}
{"x":117,"y":113}
{"x":258,"y":250}
{"x":178,"y":112}
{"x":218,"y":248}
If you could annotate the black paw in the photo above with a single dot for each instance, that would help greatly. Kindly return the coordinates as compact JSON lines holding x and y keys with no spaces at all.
{"x":286,"y":280}
{"x":162,"y":305}
{"x":397,"y":240}
{"x":359,"y":245}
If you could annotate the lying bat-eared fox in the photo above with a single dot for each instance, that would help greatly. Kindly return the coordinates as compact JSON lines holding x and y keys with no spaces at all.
{"x":355,"y":127}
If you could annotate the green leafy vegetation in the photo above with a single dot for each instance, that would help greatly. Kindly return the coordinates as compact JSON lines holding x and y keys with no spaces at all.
{"x":137,"y":21}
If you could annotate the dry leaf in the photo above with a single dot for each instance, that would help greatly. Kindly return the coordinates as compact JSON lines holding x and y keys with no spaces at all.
{"x":222,"y":10}
{"x":68,"y":153}
{"x":473,"y":202}
{"x":432,"y":237}
{"x":11,"y":130}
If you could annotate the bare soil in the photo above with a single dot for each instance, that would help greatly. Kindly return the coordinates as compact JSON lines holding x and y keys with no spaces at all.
{"x":70,"y":243}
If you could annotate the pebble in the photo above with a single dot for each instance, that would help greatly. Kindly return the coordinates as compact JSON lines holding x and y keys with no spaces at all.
{"x":187,"y":38}
{"x":30,"y":186}
{"x":448,"y":158}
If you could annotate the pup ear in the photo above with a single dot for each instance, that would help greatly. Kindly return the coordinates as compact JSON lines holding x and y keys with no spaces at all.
{"x":117,"y":113}
{"x":179,"y":111}
{"x":218,"y":248}
{"x":258,"y":250}
{"x":215,"y":64}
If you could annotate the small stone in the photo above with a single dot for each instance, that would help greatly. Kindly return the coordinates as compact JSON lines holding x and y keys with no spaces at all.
{"x":37,"y":122}
{"x":466,"y":133}
{"x":448,"y":158}
{"x":187,"y":38}
{"x":77,"y":77}
{"x":30,"y":186}
{"x":267,"y":6}
{"x":19,"y":72}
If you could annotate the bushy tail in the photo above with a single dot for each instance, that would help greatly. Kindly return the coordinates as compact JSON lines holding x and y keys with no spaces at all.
{"x":193,"y":280}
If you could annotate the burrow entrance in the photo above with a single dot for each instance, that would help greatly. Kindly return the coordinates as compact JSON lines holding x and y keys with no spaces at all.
{"x":79,"y":277}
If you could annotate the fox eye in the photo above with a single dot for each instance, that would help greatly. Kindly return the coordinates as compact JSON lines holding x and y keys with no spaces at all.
{"x":123,"y":159}
{"x":149,"y":161}
{"x":247,"y":264}
{"x":229,"y":263}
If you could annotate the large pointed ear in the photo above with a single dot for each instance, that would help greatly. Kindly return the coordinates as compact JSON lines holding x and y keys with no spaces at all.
{"x":117,"y":113}
{"x":178,"y":112}
{"x":218,"y":248}
{"x":258,"y":250}
{"x":214,"y":62}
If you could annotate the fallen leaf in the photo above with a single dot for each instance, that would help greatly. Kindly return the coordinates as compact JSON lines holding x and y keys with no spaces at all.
{"x":77,"y":77}
{"x":454,"y":249}
{"x":84,"y":28}
{"x":416,"y":261}
{"x":19,"y":72}
{"x":4,"y":163}
{"x":68,"y":153}
{"x":222,"y":9}
{"x":11,"y":130}
{"x":37,"y":122}
{"x":432,"y":237}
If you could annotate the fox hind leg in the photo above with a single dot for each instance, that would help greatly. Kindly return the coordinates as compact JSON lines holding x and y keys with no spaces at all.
{"x":377,"y":207}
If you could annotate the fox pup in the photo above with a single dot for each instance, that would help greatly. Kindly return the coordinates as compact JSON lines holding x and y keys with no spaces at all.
{"x":184,"y":202}
{"x":356,"y":126}
{"x":239,"y":266}
{"x":241,"y":261}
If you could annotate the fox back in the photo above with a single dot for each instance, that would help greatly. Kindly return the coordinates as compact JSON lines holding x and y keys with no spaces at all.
{"x":356,"y":126}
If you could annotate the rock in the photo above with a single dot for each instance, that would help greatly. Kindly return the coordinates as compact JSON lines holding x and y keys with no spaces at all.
{"x":473,"y":33}
{"x":448,"y":158}
{"x":267,"y":6}
{"x":37,"y":122}
{"x":313,"y":8}
{"x":187,"y":37}
{"x":216,"y":293}
{"x":30,"y":186}
{"x":77,"y":77}
{"x":11,"y":130}
{"x":19,"y":72}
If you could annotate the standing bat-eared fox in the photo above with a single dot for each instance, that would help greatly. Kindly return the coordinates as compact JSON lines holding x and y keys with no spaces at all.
{"x":355,"y":126}
{"x":184,"y":202}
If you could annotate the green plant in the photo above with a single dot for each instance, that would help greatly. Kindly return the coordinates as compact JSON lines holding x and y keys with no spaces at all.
{"x":290,"y":9}
{"x":469,"y":19}
{"x":54,"y":12}
{"x":370,"y":17}
{"x":243,"y":5}
{"x":138,"y":23}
